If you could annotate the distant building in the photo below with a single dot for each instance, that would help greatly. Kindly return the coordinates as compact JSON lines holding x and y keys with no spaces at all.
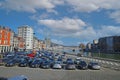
{"x":109,"y":44}
{"x":48,"y":43}
{"x":42,"y":45}
{"x":35,"y":43}
{"x":95,"y":41}
{"x":26,"y":32}
{"x":88,"y":47}
{"x":95,"y":45}
{"x":6,"y":38}
{"x":19,"y":43}
{"x":12,"y":41}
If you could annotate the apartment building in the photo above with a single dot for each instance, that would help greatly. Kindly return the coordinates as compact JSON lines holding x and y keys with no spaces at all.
{"x":26,"y":32}
{"x":6,"y":38}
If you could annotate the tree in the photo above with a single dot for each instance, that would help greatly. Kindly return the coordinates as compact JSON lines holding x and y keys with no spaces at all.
{"x":82,"y":46}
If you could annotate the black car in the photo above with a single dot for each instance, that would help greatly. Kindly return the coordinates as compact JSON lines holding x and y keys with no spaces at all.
{"x":82,"y":65}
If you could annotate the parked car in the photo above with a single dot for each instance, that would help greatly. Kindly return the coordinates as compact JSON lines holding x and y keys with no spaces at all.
{"x":94,"y":65}
{"x":63,"y":56}
{"x":69,"y":60}
{"x":70,"y":66}
{"x":7,"y":58}
{"x":23,"y":63}
{"x":45,"y":64}
{"x":10,"y":63}
{"x":82,"y":65}
{"x":77,"y":60}
{"x":35,"y":63}
{"x":20,"y":77}
{"x":57,"y":65}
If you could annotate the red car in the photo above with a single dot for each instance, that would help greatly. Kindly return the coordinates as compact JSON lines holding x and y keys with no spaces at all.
{"x":32,"y":55}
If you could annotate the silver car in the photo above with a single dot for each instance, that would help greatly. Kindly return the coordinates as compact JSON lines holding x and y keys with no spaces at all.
{"x":70,"y":66}
{"x":94,"y":65}
{"x":57,"y":65}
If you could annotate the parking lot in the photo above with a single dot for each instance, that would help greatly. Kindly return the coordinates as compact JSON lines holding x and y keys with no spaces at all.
{"x":59,"y":74}
{"x":53,"y":74}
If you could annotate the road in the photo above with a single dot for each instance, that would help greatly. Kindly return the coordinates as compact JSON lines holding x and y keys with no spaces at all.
{"x":52,"y":74}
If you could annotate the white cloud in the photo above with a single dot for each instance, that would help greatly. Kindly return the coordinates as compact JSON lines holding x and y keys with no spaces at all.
{"x":64,"y":24}
{"x":64,"y":27}
{"x":108,"y":31}
{"x":77,"y":28}
{"x":77,"y":5}
{"x":30,"y":5}
{"x":93,"y":5}
{"x":116,"y":16}
{"x":57,"y":41}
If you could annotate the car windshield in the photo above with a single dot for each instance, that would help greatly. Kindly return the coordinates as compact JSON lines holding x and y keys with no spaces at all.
{"x":36,"y":61}
{"x":94,"y":63}
{"x":57,"y":62}
{"x":83,"y":63}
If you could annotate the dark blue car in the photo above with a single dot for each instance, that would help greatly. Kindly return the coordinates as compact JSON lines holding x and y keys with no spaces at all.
{"x":35,"y":63}
{"x":23,"y":63}
{"x":82,"y":65}
{"x":45,"y":64}
{"x":10,"y":63}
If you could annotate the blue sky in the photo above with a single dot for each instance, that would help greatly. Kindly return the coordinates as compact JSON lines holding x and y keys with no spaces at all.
{"x":68,"y":22}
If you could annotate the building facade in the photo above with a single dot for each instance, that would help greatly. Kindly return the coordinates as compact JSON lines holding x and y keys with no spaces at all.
{"x":18,"y":43}
{"x":5,"y":39}
{"x":36,"y":43}
{"x":12,"y":41}
{"x":48,"y":43}
{"x":88,"y":47}
{"x":26,"y":32}
{"x":110,"y":44}
{"x":95,"y":46}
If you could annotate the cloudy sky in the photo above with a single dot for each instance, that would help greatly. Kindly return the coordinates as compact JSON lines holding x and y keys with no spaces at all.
{"x":67,"y":22}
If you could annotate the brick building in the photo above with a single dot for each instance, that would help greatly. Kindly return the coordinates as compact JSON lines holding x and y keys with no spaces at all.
{"x":5,"y":39}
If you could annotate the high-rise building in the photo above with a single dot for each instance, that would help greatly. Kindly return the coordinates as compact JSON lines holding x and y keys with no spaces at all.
{"x":26,"y":32}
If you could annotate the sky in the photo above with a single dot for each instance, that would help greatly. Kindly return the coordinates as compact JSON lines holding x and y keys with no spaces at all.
{"x":67,"y":22}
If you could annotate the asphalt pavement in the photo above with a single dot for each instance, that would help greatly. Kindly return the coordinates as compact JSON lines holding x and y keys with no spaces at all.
{"x":53,"y":74}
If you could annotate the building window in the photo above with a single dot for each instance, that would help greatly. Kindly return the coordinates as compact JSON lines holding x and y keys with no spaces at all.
{"x":4,"y":41}
{"x":1,"y":31}
{"x":0,"y":35}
